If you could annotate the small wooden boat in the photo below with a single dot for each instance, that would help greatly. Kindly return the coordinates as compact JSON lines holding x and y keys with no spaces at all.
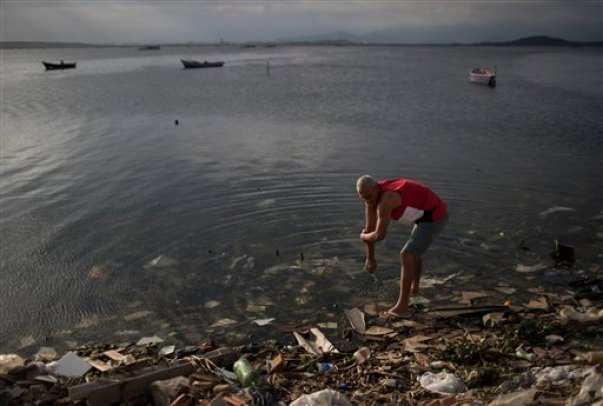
{"x":189,"y":63}
{"x":62,"y":65}
{"x":483,"y":76}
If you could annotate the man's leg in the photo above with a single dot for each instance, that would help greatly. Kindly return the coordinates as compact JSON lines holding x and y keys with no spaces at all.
{"x":421,"y":237}
{"x":409,"y":271}
{"x":414,"y":288}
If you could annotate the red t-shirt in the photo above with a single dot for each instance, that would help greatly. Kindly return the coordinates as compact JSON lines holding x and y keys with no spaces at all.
{"x":419,"y":203}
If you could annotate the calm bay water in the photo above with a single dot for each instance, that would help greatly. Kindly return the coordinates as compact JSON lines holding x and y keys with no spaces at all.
{"x":97,"y":180}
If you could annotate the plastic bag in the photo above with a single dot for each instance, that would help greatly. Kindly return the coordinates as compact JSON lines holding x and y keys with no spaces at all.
{"x":326,"y":397}
{"x":443,"y":383}
{"x":592,"y":389}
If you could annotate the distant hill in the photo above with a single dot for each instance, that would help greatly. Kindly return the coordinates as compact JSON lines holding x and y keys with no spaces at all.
{"x":344,"y":38}
{"x":542,"y":40}
{"x":328,"y":38}
{"x":333,"y":38}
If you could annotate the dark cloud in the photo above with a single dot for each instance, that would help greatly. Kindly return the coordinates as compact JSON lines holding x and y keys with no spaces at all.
{"x":107,"y":21}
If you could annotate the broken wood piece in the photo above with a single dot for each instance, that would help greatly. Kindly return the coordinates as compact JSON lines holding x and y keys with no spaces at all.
{"x":127,"y":390}
{"x":183,"y":400}
{"x":222,"y":357}
{"x":276,"y":364}
{"x":542,"y":303}
{"x":99,"y":365}
{"x":233,"y":400}
{"x":466,"y":311}
{"x":468,"y":296}
{"x":114,"y":355}
{"x":379,"y":331}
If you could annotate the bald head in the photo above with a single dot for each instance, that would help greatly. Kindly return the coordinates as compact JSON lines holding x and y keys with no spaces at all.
{"x":365,"y":183}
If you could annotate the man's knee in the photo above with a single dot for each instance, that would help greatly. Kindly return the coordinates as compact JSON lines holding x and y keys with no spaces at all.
{"x":406,"y":255}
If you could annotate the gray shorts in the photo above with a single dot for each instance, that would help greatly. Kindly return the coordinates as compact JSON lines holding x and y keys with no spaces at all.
{"x":423,"y":234}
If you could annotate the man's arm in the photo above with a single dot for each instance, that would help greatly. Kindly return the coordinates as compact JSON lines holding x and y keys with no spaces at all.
{"x":370,"y":213}
{"x":384,"y":210}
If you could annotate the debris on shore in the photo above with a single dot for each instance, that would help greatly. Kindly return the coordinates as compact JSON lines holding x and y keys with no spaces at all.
{"x":548,"y":351}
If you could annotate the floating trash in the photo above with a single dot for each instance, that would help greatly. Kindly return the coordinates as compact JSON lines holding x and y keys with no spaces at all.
{"x":530,"y":268}
{"x":224,"y":323}
{"x":263,"y":322}
{"x":161,"y":261}
{"x":555,"y":209}
{"x":149,"y":340}
{"x":211,"y":304}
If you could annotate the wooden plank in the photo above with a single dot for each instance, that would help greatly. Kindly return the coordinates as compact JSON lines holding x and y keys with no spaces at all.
{"x":136,"y":387}
{"x":101,"y":393}
{"x":466,"y":310}
{"x":82,"y":391}
{"x":222,"y":357}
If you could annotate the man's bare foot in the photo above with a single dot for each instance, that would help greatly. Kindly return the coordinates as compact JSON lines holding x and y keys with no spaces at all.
{"x":399,"y":311}
{"x":390,"y":315}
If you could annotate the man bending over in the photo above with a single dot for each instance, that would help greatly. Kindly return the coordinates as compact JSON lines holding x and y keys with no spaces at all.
{"x":413,"y":204}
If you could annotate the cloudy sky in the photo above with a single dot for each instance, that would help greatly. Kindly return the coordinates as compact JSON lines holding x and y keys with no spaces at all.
{"x":404,"y":21}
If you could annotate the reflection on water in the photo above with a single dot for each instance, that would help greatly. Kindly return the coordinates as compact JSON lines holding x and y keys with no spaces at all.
{"x":97,"y":182}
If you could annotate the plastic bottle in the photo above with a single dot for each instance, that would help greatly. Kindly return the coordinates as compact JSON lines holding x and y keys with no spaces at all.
{"x":246,"y":374}
{"x":525,"y":355}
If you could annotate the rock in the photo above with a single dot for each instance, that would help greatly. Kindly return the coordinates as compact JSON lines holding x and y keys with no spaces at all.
{"x":8,"y":362}
{"x":46,"y":354}
{"x":165,"y":391}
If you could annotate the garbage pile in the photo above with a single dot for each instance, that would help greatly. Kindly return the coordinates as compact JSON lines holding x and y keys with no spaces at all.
{"x":549,"y":350}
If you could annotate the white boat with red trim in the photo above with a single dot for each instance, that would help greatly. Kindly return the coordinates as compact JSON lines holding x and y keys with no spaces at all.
{"x":483,"y":76}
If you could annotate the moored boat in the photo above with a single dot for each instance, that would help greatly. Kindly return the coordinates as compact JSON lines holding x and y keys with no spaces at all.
{"x":189,"y":63}
{"x":61,"y":65}
{"x":483,"y":76}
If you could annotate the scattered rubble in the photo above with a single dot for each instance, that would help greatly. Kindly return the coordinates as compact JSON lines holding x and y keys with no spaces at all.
{"x":510,"y":356}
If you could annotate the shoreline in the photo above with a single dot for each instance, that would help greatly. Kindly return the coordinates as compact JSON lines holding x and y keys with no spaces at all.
{"x":304,"y":299}
{"x":546,"y":350}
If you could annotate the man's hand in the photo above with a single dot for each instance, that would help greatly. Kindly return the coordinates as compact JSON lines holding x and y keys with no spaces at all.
{"x":370,"y":265}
